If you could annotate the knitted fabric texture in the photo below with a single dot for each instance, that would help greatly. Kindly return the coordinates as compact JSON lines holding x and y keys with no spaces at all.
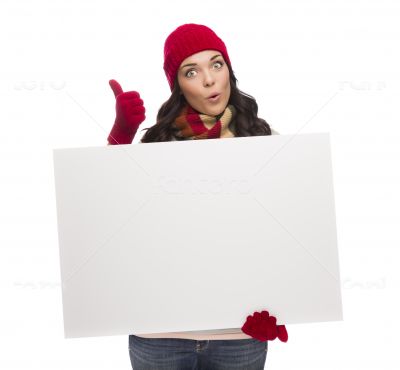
{"x":185,"y":41}
{"x":194,"y":125}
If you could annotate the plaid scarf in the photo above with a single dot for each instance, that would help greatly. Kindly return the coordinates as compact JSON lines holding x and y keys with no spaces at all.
{"x":194,"y":125}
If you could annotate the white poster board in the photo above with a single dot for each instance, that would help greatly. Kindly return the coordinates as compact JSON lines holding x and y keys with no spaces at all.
{"x":196,"y":235}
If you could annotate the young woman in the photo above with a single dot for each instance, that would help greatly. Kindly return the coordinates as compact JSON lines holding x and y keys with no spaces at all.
{"x":205,"y":103}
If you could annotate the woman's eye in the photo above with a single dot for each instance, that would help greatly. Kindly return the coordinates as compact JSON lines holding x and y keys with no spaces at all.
{"x":190,"y":73}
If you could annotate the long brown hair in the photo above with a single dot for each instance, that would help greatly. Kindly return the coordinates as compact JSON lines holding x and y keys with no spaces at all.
{"x":246,"y":121}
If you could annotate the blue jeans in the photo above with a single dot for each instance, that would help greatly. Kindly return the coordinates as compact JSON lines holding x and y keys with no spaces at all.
{"x":189,"y":354}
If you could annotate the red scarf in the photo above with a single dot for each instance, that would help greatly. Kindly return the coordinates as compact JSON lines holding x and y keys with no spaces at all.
{"x":194,"y":125}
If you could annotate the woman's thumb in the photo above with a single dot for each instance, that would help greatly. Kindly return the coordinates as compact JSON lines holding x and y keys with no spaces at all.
{"x":116,"y":87}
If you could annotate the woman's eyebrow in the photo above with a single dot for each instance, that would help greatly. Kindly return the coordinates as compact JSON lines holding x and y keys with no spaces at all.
{"x":194,"y":64}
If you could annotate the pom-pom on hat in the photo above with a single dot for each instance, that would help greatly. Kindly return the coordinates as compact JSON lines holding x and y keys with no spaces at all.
{"x":185,"y":41}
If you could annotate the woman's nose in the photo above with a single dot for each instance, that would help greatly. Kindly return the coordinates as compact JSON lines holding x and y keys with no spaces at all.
{"x":209,"y":79}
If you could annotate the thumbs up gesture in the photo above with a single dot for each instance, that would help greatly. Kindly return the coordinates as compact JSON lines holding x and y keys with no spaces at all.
{"x":130,"y":113}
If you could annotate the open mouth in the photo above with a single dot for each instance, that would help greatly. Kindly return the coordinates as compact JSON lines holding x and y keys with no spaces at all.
{"x":214,"y":97}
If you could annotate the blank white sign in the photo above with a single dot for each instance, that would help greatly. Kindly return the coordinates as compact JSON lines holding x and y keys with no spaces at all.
{"x":196,"y":235}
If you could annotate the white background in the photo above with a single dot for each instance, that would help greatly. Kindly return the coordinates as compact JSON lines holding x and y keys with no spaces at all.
{"x":313,"y":66}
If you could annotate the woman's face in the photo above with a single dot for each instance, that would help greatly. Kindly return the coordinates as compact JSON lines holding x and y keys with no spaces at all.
{"x":201,"y":77}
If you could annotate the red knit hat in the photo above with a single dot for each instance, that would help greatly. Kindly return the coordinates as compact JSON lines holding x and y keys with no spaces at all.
{"x":185,"y":41}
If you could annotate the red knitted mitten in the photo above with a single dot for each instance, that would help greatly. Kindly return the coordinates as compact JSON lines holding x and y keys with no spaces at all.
{"x":130,"y":113}
{"x":263,"y":327}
